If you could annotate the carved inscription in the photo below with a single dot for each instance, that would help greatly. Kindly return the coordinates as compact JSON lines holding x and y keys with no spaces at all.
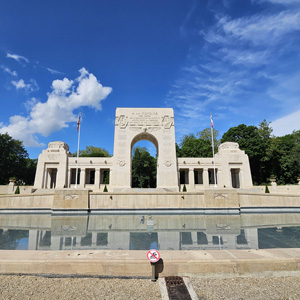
{"x":68,"y":227}
{"x":144,"y":121}
{"x":70,"y":197}
{"x":144,"y":118}
{"x":220,"y":196}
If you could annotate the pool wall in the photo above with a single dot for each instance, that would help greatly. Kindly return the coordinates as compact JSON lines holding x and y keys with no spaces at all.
{"x":217,"y":200}
{"x":110,"y":263}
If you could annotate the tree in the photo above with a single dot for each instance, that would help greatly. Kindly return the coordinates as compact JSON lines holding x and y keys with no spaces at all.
{"x":91,"y":151}
{"x":13,"y":160}
{"x":143,"y":169}
{"x":191,"y":146}
{"x":30,"y":171}
{"x":265,"y":130}
{"x":284,"y":158}
{"x":205,"y":135}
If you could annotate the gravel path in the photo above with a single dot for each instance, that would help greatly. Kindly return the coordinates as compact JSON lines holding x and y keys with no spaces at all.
{"x":35,"y":287}
{"x":270,"y":288}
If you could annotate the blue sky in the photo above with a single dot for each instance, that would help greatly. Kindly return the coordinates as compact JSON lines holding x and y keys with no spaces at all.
{"x":236,"y":59}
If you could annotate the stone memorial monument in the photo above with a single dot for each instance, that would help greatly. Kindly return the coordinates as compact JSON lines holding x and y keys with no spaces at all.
{"x":57,"y":168}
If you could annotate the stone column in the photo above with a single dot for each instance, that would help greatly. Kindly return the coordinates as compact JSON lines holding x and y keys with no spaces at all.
{"x":168,"y":240}
{"x":45,"y":179}
{"x":194,"y":238}
{"x":97,"y":178}
{"x":205,"y":177}
{"x":82,"y":178}
{"x":33,"y":239}
{"x":69,"y":179}
{"x":251,"y":235}
{"x":55,"y":243}
{"x":241,"y":177}
{"x":191,"y":179}
{"x":94,"y":239}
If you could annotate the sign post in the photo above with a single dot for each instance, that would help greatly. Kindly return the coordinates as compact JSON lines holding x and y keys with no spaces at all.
{"x":154,"y":256}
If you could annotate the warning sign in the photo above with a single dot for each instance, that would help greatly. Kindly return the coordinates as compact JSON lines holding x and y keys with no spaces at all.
{"x":153,"y":255}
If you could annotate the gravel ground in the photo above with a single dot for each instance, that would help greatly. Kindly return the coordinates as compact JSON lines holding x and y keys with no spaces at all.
{"x":35,"y":287}
{"x":271,"y":288}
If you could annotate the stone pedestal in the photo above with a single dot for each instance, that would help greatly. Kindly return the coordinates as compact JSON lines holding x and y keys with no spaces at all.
{"x":71,"y":200}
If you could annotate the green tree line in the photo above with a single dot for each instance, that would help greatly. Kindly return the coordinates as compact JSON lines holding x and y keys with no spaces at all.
{"x":269,"y":156}
{"x":15,"y":162}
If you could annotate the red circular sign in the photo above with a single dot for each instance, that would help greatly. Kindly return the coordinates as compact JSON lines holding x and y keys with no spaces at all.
{"x":153,"y":255}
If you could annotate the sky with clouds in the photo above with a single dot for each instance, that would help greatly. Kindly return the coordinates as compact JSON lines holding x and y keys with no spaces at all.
{"x":238,"y":60}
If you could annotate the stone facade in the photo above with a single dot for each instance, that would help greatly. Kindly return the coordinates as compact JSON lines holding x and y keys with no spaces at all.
{"x":57,"y":169}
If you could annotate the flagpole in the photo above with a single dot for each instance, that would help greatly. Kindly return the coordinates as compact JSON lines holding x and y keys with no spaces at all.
{"x":78,"y":129}
{"x":213,"y":147}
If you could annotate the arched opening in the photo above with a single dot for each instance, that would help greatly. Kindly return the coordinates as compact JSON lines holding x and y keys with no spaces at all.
{"x":144,"y":155}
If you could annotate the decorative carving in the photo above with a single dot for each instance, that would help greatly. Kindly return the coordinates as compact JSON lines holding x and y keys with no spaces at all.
{"x":167,"y":122}
{"x":229,"y":146}
{"x":220,"y":196}
{"x":70,"y":197}
{"x":168,"y":163}
{"x":122,"y":121}
{"x":68,"y":227}
{"x":223,"y":227}
{"x":121,"y":163}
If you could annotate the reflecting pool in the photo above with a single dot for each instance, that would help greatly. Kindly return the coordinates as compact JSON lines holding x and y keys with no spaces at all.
{"x":143,"y":232}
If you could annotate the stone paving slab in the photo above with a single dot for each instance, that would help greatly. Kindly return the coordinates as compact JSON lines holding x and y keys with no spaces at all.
{"x":200,"y":263}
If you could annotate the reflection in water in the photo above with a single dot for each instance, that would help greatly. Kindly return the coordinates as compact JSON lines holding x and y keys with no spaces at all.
{"x":162,"y":232}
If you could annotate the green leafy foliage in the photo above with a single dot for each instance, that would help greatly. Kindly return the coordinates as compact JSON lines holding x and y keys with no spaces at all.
{"x":91,"y":151}
{"x":143,"y":169}
{"x":283,"y":155}
{"x":14,"y":161}
{"x":198,"y":146}
{"x":105,"y":189}
{"x":184,"y":188}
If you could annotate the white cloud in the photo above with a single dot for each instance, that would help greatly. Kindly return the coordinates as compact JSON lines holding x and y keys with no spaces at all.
{"x":30,"y":87}
{"x":286,"y":124}
{"x":18,"y":58}
{"x":9,"y":71}
{"x":62,"y":86}
{"x":20,"y":84}
{"x":54,"y":71}
{"x":245,"y":57}
{"x":260,"y":29}
{"x":55,"y":114}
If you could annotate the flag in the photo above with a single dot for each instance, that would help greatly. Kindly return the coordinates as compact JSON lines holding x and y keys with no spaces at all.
{"x":78,"y":122}
{"x":211,"y":121}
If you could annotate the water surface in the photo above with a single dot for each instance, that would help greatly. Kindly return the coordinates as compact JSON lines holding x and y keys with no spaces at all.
{"x":143,"y":232}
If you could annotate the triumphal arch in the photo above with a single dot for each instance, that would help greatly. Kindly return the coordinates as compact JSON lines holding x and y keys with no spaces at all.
{"x":57,"y":167}
{"x":152,"y":124}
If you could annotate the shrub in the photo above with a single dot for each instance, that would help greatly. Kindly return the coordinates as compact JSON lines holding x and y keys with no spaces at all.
{"x":17,"y":190}
{"x":105,"y":189}
{"x":184,"y":188}
{"x":267,"y":190}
